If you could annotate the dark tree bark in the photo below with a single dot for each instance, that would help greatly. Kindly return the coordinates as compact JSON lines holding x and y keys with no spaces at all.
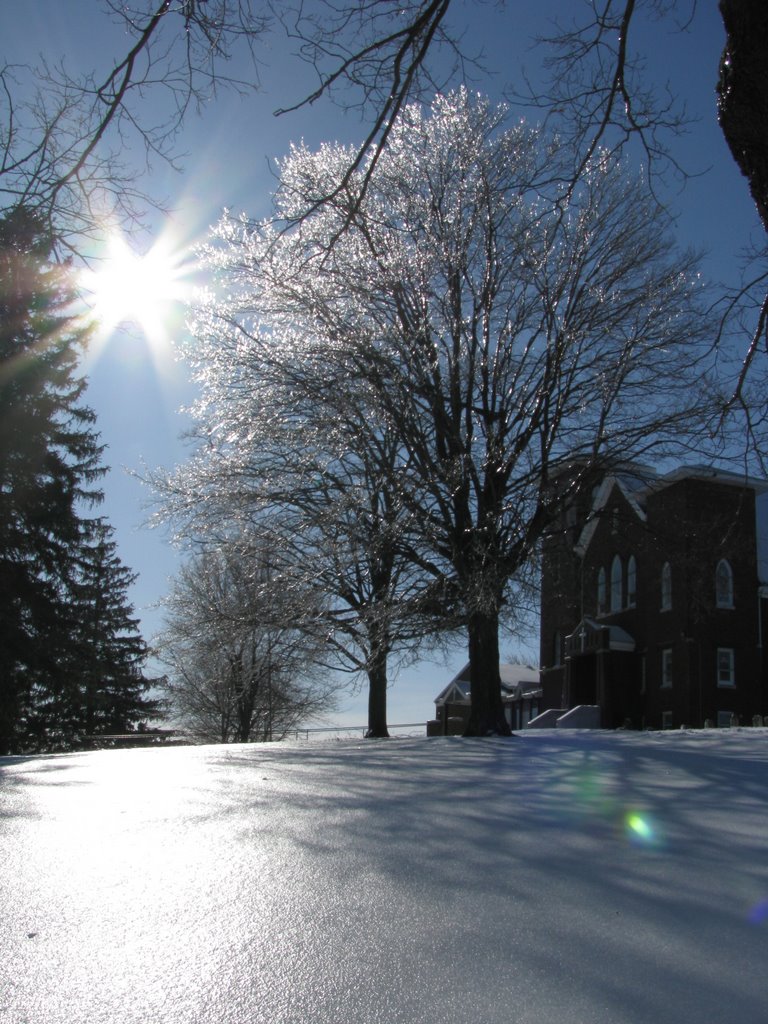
{"x":377,"y":700}
{"x":487,"y":714}
{"x":743,"y":93}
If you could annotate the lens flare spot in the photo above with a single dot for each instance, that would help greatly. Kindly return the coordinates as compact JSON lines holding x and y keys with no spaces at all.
{"x":639,"y":829}
{"x":759,"y":913}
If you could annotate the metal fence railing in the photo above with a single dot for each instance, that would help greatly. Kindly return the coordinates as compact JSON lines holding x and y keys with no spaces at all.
{"x":361,"y":730}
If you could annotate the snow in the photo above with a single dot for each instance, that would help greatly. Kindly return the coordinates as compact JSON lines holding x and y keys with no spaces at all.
{"x":569,"y":877}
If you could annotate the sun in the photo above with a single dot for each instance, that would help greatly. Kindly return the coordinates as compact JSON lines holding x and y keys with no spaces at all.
{"x":124,"y":287}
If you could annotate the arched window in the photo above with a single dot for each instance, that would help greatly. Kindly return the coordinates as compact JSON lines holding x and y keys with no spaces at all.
{"x":724,"y":584}
{"x":666,"y":587}
{"x":616,"y":581}
{"x":631,"y":582}
{"x":601,"y":591}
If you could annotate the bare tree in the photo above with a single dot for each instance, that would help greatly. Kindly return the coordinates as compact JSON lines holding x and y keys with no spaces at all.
{"x":313,"y":473}
{"x":600,"y":94}
{"x":496,"y":328}
{"x":597,"y":94}
{"x":239,"y":670}
{"x":61,"y":150}
{"x":63,"y":135}
{"x":345,"y":535}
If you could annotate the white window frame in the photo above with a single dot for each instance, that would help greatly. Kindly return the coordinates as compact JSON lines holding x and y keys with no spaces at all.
{"x":726,"y":668}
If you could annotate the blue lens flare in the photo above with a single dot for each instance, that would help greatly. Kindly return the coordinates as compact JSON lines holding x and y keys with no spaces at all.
{"x":759,"y":913}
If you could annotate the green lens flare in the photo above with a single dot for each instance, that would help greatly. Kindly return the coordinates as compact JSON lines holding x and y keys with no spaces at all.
{"x":639,"y":828}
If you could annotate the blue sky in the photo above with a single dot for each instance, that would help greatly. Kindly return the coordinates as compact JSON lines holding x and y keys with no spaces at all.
{"x":138,"y":391}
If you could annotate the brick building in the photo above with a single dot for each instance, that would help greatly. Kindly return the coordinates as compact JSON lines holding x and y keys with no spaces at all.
{"x":655,"y":599}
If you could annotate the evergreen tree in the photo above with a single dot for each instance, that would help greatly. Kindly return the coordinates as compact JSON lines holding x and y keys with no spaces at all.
{"x":50,"y":466}
{"x":110,"y":693}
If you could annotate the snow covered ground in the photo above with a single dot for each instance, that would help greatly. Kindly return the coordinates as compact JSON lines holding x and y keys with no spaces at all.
{"x":577,"y":878}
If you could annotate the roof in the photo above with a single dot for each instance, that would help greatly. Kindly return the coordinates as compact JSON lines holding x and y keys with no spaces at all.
{"x":635,"y":483}
{"x":720,"y":476}
{"x":516,"y":679}
{"x":630,"y":487}
{"x":618,"y":638}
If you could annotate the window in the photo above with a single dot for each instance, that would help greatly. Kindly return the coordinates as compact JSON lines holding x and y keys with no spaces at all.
{"x":631,"y":582}
{"x":601,"y":591}
{"x":726,"y":675}
{"x":666,"y":667}
{"x":666,"y":720}
{"x":666,"y":587}
{"x":616,"y":574}
{"x":724,"y":584}
{"x":725,"y":719}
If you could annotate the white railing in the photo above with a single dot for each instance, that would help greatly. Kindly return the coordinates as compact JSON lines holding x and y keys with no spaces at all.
{"x":361,"y":730}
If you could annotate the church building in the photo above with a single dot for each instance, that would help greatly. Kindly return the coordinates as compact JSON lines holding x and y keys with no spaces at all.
{"x":654,"y":600}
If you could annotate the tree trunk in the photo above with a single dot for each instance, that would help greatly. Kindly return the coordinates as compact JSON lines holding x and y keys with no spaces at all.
{"x":486,"y":716}
{"x":377,"y":698}
{"x":743,"y":93}
{"x":245,"y":697}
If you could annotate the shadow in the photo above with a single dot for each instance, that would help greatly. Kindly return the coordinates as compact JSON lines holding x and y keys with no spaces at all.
{"x":621,"y":834}
{"x":610,"y":870}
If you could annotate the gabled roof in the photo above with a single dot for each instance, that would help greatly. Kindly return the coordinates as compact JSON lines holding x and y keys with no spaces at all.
{"x":456,"y":692}
{"x":618,"y":638}
{"x":630,"y":486}
{"x":636,"y":482}
{"x":516,"y":679}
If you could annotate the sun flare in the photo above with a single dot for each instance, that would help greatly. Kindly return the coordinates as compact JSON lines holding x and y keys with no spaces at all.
{"x":127,"y":288}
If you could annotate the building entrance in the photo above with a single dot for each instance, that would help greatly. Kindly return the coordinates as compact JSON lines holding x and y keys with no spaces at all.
{"x":583,"y":680}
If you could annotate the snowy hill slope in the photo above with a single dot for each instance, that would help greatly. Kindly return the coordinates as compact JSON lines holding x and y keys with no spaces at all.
{"x":577,"y":878}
